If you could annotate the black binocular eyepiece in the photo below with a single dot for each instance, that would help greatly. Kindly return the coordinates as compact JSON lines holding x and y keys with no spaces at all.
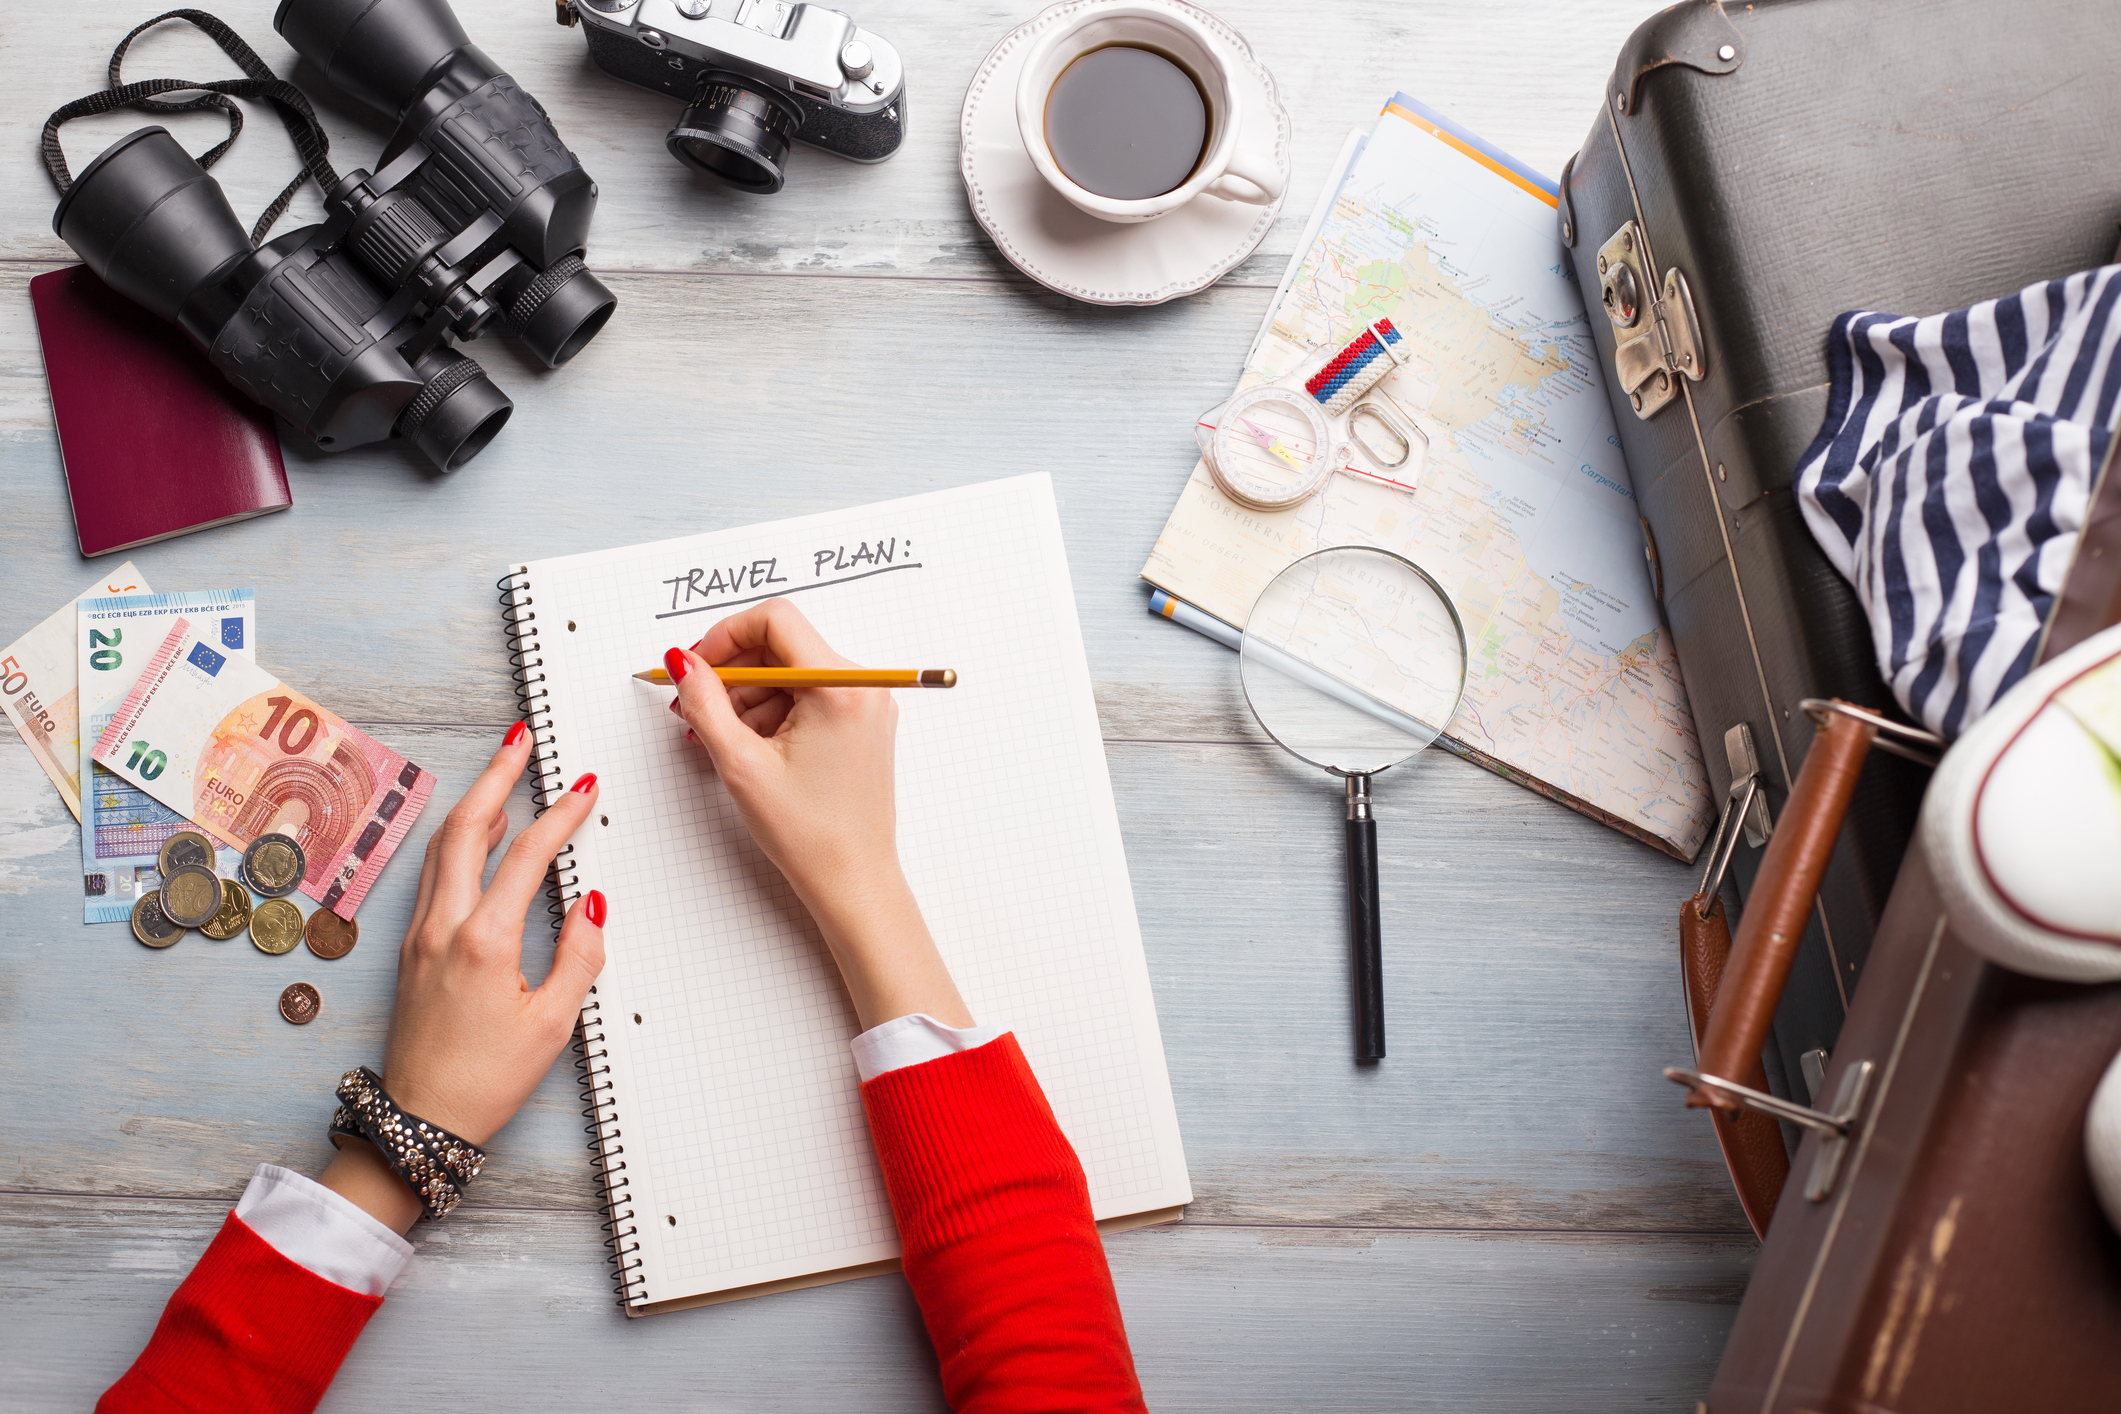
{"x":476,"y":215}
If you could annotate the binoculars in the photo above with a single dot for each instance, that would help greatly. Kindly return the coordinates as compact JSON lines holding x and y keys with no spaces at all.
{"x":477,"y":212}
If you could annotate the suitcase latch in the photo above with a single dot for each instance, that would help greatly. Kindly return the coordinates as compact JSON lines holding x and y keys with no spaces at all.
{"x":1656,"y":336}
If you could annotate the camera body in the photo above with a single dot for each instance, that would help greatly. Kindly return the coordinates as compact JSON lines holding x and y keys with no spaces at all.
{"x":477,"y":214}
{"x":756,"y":74}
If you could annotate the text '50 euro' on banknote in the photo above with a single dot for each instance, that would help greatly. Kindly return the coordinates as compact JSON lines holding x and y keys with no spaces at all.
{"x":37,"y":688}
{"x":241,"y":754}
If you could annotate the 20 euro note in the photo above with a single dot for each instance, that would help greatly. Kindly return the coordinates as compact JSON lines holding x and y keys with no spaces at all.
{"x":243,"y":755}
{"x":123,"y":828}
{"x":38,"y":693}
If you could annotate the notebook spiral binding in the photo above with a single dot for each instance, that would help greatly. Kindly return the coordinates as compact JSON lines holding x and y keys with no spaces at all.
{"x":526,"y":667}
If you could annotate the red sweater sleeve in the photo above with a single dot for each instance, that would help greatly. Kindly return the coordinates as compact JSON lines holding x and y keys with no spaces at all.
{"x":249,"y":1332}
{"x":1000,"y":1248}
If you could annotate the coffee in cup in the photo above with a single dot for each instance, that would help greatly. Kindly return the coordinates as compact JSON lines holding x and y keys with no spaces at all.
{"x":1129,"y":111}
{"x":1127,"y":122}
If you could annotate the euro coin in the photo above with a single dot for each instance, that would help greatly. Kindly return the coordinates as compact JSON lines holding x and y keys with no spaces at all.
{"x":329,"y":935}
{"x":300,"y":1003}
{"x":234,"y":916}
{"x":185,"y":847}
{"x":274,"y":866}
{"x":276,"y":926}
{"x":150,"y":924}
{"x":191,"y":895}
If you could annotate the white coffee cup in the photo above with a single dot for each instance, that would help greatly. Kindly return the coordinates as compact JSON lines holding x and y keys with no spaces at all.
{"x":1237,"y":166}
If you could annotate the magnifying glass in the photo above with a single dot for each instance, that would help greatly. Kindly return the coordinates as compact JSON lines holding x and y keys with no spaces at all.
{"x":1353,"y":660}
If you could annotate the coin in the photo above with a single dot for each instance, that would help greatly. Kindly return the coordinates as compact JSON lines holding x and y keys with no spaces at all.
{"x":191,"y":895}
{"x":329,"y":935}
{"x":276,"y":926}
{"x":274,"y":865}
{"x":300,"y":1003}
{"x":185,"y":847}
{"x":234,"y":916}
{"x":150,"y":924}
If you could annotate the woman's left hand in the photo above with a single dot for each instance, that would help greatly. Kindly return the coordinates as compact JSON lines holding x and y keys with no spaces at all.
{"x":470,"y":1038}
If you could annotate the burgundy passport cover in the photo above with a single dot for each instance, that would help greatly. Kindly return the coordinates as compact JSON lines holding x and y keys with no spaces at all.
{"x":156,"y":442}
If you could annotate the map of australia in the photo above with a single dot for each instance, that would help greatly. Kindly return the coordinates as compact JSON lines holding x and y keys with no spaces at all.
{"x":1521,"y":509}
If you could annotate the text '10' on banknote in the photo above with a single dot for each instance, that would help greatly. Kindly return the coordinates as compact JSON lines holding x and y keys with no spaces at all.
{"x":241,"y":754}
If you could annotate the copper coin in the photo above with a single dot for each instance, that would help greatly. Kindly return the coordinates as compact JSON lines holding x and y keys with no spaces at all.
{"x":150,"y":924}
{"x":274,"y":865}
{"x":185,"y":847}
{"x":300,"y":1004}
{"x":234,"y":916}
{"x":329,"y":935}
{"x":191,"y":895}
{"x":276,"y":926}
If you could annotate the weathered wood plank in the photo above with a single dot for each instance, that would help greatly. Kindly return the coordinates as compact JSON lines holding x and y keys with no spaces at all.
{"x":697,"y":411}
{"x":1530,"y":991}
{"x":512,"y":1309}
{"x":1527,"y":76}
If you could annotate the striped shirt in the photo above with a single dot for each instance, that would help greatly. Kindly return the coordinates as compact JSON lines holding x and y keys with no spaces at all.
{"x":1949,"y":480}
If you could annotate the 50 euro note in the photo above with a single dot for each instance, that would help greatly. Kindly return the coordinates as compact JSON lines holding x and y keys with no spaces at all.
{"x":38,"y":693}
{"x":241,"y":754}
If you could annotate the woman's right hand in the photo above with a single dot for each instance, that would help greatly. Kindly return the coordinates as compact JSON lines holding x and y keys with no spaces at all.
{"x":811,"y":773}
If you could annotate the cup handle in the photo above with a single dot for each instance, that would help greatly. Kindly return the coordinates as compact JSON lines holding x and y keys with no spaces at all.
{"x":1253,"y":178}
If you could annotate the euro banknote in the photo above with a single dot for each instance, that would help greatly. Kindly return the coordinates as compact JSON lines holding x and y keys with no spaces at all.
{"x":242,"y":754}
{"x":37,"y":688}
{"x":122,"y":827}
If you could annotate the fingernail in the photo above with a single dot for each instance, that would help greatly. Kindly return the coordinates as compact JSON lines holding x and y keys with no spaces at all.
{"x":693,"y":737}
{"x":515,"y":734}
{"x":593,"y":907}
{"x":588,"y":781}
{"x":677,"y":664}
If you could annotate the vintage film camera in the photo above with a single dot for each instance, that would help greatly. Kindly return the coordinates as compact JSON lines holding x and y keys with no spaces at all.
{"x":756,"y":74}
{"x":342,"y":328}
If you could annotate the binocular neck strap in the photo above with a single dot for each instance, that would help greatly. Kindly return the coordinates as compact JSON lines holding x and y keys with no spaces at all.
{"x":300,"y":119}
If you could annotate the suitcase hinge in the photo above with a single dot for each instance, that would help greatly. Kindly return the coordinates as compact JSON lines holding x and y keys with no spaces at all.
{"x":1656,"y":334}
{"x":1836,"y":1127}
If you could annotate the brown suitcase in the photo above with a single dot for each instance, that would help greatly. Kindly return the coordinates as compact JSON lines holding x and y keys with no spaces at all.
{"x":1939,"y":1246}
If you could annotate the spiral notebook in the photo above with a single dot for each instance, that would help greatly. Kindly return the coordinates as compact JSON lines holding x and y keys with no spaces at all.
{"x":731,"y":1141}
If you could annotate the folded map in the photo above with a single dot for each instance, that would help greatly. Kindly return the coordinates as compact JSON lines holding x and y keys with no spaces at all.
{"x":1522,"y":510}
{"x":241,"y":754}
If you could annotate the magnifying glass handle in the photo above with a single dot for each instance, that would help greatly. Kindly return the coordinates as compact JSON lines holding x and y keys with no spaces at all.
{"x":1365,"y":931}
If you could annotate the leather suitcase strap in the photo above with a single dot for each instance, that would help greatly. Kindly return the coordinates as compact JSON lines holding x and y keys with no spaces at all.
{"x":1777,"y":906}
{"x":1752,"y":1143}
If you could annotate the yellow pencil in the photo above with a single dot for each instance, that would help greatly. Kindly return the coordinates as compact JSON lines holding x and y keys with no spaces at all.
{"x":822,"y":677}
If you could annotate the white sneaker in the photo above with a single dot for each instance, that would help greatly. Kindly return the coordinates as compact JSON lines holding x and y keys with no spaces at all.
{"x":2022,"y":823}
{"x":2102,"y":1142}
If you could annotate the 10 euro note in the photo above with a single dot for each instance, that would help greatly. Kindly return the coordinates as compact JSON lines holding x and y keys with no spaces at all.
{"x":241,"y":754}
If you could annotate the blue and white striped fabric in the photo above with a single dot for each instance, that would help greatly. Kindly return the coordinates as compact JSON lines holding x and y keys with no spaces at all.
{"x":1950,"y":477}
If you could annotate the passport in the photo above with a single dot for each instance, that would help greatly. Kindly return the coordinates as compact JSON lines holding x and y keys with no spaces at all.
{"x":156,"y":443}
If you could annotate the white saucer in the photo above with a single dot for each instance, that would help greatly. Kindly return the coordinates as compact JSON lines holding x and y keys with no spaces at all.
{"x":1073,"y":252}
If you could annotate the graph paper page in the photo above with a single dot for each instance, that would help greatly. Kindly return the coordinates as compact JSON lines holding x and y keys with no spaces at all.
{"x":747,"y":1154}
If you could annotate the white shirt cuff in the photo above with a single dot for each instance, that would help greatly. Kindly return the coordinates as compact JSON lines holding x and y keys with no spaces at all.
{"x":315,"y":1228}
{"x":909,"y":1040}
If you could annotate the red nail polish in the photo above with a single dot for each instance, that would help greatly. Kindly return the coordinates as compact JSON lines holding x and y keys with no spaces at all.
{"x":593,"y":907}
{"x":676,"y":664}
{"x":515,"y":734}
{"x":693,"y":737}
{"x":584,"y":785}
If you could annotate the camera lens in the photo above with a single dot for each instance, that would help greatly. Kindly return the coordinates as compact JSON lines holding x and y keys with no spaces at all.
{"x":457,"y":413}
{"x":560,"y":311}
{"x":737,"y":132}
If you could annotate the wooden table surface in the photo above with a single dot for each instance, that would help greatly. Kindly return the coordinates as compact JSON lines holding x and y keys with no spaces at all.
{"x":1512,"y":1212}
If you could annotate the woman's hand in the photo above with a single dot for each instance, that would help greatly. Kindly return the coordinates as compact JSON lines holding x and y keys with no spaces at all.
{"x":469,"y":1037}
{"x":810,"y":770}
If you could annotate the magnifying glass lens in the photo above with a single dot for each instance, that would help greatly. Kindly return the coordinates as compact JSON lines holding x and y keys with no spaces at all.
{"x":1353,"y":660}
